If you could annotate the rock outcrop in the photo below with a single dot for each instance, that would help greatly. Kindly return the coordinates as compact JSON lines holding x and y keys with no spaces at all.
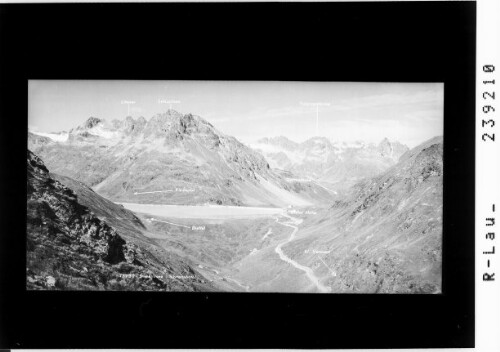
{"x":70,"y":248}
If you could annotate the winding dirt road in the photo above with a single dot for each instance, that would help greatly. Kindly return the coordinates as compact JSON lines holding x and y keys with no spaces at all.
{"x":309,"y":272}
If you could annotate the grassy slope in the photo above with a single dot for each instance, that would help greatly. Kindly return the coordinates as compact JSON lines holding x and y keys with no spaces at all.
{"x":220,"y":247}
{"x":386,"y":237}
{"x":67,"y":242}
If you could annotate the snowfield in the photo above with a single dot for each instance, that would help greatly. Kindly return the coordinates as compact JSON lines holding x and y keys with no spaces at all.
{"x":56,"y":137}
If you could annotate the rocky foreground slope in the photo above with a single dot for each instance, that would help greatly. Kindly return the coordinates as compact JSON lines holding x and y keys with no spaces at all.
{"x":70,"y":248}
{"x":172,"y":158}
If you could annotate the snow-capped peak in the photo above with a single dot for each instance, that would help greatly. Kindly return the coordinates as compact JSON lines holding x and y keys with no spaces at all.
{"x":56,"y":137}
{"x":97,"y":127}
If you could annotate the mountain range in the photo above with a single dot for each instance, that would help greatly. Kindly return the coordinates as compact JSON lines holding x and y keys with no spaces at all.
{"x":355,"y":217}
{"x":339,"y":164}
{"x":171,"y":158}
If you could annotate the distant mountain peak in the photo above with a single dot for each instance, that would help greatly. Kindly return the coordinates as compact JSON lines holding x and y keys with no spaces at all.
{"x":91,"y":122}
{"x":168,"y":115}
{"x":317,"y":140}
{"x":94,"y":127}
{"x":173,"y":122}
{"x":173,"y":112}
{"x":279,"y":141}
{"x":391,"y":149}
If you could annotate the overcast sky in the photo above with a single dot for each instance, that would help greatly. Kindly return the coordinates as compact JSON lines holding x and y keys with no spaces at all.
{"x":408,"y":112}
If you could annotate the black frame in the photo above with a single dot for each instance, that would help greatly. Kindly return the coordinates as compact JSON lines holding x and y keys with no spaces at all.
{"x":394,"y":42}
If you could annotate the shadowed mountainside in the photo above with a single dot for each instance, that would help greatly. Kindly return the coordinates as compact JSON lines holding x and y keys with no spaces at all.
{"x":70,"y":248}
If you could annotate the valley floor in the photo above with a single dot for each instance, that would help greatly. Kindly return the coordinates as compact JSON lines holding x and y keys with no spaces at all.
{"x":236,"y":248}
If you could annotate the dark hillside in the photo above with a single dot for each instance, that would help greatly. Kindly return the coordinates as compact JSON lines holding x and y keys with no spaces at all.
{"x":70,"y":248}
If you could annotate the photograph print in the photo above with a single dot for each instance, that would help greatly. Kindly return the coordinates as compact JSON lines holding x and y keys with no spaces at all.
{"x":235,"y":186}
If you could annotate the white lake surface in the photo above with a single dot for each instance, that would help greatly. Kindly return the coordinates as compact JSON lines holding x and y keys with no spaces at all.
{"x":202,"y":211}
